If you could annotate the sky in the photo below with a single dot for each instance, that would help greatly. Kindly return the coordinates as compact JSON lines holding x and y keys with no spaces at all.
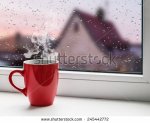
{"x":35,"y":16}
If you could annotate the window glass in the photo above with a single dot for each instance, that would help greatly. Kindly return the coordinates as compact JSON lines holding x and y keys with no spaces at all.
{"x":89,"y":35}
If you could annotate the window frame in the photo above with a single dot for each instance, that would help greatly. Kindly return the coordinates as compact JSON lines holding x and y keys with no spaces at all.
{"x":101,"y":85}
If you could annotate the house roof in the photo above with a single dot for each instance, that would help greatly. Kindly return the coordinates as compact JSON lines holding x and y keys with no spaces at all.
{"x":102,"y":32}
{"x":7,"y":44}
{"x":14,"y":43}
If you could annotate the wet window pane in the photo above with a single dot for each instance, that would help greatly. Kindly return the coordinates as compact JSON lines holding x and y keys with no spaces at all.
{"x":84,"y":35}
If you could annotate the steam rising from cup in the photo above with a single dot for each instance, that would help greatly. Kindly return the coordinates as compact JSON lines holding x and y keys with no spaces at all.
{"x":42,"y":48}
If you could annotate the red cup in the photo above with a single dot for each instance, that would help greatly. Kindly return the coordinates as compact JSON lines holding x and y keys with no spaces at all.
{"x":41,"y":80}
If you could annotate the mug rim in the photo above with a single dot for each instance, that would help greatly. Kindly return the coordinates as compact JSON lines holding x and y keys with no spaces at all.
{"x":49,"y":63}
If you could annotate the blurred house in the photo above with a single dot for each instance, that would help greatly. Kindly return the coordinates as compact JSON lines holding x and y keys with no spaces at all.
{"x":12,"y":49}
{"x":86,"y":34}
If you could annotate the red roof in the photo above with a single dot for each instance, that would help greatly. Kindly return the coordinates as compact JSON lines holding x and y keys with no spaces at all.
{"x":103,"y":32}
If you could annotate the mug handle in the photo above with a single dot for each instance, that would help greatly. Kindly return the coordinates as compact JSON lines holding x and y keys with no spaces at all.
{"x":24,"y":91}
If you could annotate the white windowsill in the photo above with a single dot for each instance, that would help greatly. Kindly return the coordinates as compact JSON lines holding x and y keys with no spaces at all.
{"x":15,"y":104}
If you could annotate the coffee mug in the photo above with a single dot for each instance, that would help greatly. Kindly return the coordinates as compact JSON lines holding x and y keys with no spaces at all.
{"x":40,"y":79}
